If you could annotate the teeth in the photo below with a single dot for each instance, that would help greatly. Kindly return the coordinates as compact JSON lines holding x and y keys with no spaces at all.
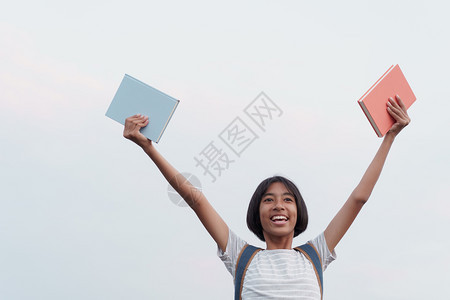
{"x":279,"y":218}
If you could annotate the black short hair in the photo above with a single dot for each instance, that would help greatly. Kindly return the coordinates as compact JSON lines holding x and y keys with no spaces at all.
{"x":253,"y":219}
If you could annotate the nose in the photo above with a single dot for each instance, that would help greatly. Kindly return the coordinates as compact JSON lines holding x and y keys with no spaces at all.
{"x":278,"y":205}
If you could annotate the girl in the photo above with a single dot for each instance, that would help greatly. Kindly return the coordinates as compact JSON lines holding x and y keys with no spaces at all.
{"x":276,"y":214}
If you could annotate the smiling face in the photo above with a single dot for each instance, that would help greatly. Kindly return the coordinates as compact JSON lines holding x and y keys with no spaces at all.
{"x":278,"y":211}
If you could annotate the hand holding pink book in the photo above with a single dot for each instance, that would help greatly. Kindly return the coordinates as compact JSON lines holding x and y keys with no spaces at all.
{"x":375,"y":101}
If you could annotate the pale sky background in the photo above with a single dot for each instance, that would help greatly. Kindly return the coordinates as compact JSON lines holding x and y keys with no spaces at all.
{"x":84,"y":214}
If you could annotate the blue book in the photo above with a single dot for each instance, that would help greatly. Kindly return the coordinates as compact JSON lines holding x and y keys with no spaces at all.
{"x":135,"y":97}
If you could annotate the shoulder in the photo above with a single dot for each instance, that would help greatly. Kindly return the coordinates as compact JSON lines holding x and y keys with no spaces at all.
{"x":234,"y":247}
{"x":325,"y":255}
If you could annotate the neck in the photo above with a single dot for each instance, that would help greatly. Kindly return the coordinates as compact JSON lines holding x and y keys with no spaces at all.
{"x":278,"y":242}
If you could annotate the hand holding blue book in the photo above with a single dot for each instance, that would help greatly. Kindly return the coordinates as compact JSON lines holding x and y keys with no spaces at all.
{"x":135,"y":97}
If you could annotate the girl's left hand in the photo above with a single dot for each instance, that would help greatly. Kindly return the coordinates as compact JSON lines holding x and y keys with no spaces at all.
{"x":397,"y":110}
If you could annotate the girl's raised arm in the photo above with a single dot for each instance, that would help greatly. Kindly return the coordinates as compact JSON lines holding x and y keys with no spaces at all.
{"x":212,"y":221}
{"x":347,"y":214}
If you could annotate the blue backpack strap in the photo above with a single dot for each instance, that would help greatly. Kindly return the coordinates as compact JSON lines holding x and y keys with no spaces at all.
{"x":313,"y":256}
{"x":244,"y":259}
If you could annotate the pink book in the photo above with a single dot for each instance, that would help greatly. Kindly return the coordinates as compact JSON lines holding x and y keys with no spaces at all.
{"x":374,"y":101}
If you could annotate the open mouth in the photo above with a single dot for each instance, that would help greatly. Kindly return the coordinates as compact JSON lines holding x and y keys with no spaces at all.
{"x":279,"y":219}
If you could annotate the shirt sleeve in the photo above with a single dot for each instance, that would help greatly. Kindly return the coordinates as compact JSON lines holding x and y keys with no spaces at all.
{"x":325,"y":255}
{"x":231,"y":254}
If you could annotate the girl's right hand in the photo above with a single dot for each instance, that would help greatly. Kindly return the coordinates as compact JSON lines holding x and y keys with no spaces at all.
{"x":132,"y":126}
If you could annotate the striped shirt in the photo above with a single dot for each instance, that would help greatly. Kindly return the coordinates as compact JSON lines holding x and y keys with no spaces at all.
{"x":277,"y":274}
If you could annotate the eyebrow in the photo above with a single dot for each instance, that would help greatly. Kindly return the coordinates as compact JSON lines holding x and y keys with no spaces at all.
{"x":272,"y":194}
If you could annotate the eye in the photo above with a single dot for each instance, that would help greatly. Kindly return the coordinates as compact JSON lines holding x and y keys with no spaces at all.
{"x":288,"y":200}
{"x":267,"y":200}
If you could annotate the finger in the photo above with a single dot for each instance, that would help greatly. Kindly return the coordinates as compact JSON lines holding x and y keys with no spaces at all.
{"x":133,"y":118}
{"x":137,"y":116}
{"x":136,"y":119}
{"x":142,"y":123}
{"x":394,"y":114}
{"x":400,"y":102}
{"x":143,"y":119}
{"x":398,"y":116}
{"x":396,"y":107}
